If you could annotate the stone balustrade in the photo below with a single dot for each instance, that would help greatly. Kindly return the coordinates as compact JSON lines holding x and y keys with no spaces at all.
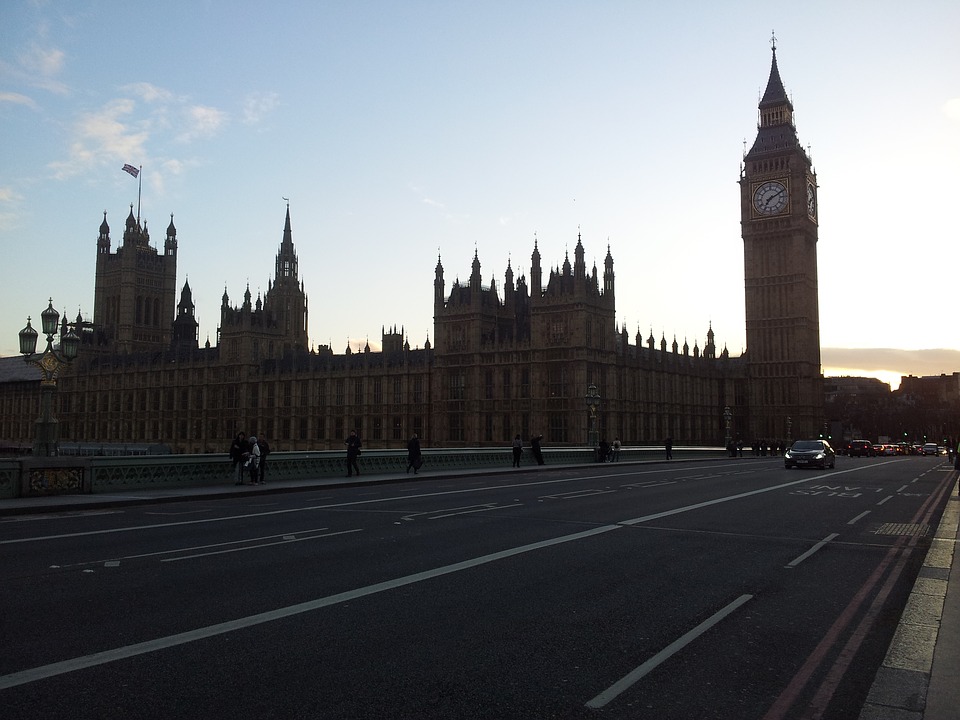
{"x":30,"y":476}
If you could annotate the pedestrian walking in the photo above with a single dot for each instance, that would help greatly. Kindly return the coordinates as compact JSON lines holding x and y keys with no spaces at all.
{"x":238,"y":455}
{"x":517,"y":450}
{"x":414,"y":456}
{"x":668,"y":446}
{"x":616,"y":449}
{"x":353,"y":452}
{"x":537,"y":451}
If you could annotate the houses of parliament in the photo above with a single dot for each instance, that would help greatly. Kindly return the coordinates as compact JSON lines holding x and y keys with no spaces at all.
{"x":504,"y":360}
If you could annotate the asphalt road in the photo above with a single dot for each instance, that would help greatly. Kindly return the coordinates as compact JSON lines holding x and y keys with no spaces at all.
{"x":731,"y":589}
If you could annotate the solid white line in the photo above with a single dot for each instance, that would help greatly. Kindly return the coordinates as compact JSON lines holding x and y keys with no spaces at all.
{"x":262,"y":545}
{"x":859,"y":517}
{"x":140,"y":556}
{"x":796,"y":561}
{"x":669,"y":651}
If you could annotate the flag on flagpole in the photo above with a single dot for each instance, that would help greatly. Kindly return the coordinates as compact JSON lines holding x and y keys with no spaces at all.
{"x":131,"y":169}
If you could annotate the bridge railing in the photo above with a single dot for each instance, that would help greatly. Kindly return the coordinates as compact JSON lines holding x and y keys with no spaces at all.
{"x":32,"y":476}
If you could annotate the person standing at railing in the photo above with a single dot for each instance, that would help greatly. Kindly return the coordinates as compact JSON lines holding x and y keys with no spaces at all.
{"x":238,"y":449}
{"x":537,"y":451}
{"x":353,"y":452}
{"x":264,"y":451}
{"x":254,"y":461}
{"x":517,"y":450}
{"x":414,"y":456}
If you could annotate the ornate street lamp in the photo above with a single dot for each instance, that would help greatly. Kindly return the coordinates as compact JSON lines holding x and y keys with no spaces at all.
{"x":47,"y":436}
{"x":727,"y":417}
{"x":593,"y":402}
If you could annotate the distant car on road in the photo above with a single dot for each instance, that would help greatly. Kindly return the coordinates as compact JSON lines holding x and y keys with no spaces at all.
{"x":860,"y":448}
{"x":929,"y":449}
{"x":810,"y":453}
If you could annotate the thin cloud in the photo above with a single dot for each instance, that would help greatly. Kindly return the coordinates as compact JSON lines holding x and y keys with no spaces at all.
{"x":10,"y":201}
{"x":103,"y":136}
{"x":257,"y":106}
{"x":40,"y":67}
{"x":150,"y":93}
{"x":18,"y":99}
{"x":201,"y":121}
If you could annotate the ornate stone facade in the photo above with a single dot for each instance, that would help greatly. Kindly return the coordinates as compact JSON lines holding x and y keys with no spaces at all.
{"x":505,"y":360}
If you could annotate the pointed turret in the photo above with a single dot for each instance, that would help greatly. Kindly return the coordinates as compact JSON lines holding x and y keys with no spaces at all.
{"x":776,"y":131}
{"x":579,"y":266}
{"x":438,"y":289}
{"x":536,"y":274}
{"x":608,"y":274}
{"x":103,"y":240}
{"x":186,"y":329}
{"x":475,"y":275}
{"x":170,"y":244}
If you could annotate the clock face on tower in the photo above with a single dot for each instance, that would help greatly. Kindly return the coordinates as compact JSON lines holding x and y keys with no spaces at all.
{"x":811,"y":200}
{"x":770,"y":197}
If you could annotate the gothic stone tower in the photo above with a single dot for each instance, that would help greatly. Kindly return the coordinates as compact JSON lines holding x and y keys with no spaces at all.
{"x":135,"y":293}
{"x":285,"y":299}
{"x":778,"y":209}
{"x":277,"y":323}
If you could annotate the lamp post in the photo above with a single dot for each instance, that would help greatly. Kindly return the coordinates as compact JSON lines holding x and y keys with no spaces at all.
{"x":728,"y":440}
{"x":47,"y":435}
{"x":593,"y":402}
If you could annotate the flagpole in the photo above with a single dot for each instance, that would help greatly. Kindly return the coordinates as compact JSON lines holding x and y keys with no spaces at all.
{"x":139,"y":185}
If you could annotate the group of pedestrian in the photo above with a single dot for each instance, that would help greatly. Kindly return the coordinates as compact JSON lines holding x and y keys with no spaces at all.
{"x":249,"y":457}
{"x":534,"y":447}
{"x":607,"y":452}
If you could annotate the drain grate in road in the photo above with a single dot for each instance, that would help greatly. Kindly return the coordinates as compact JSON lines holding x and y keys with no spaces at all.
{"x":909,"y":529}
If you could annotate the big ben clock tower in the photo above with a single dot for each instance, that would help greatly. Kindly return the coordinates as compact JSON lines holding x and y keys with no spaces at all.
{"x":778,"y":210}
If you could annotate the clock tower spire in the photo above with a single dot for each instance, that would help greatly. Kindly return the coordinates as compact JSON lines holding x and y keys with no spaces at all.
{"x":778,"y":210}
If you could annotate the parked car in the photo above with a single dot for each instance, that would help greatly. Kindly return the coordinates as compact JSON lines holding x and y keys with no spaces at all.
{"x":810,"y":453}
{"x":929,"y":449}
{"x":860,"y":448}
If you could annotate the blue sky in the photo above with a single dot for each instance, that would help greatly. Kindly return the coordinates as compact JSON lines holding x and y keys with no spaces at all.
{"x":402,"y":129}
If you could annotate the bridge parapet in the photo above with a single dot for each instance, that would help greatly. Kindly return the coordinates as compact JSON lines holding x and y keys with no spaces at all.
{"x":23,"y":477}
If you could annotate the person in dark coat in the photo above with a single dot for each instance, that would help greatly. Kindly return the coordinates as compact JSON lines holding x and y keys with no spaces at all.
{"x":535,"y":446}
{"x":264,"y":451}
{"x":238,"y":456}
{"x":414,"y":457}
{"x":353,"y":452}
{"x":517,"y":450}
{"x":668,"y":446}
{"x":603,"y":450}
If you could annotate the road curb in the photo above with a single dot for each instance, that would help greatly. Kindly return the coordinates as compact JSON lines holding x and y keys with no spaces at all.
{"x":900,"y":688}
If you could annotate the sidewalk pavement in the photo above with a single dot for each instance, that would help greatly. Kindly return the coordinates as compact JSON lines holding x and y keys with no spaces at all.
{"x":919,"y":678}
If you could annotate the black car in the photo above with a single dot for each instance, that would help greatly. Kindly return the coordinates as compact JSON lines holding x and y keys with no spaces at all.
{"x":860,"y":448}
{"x":810,"y":453}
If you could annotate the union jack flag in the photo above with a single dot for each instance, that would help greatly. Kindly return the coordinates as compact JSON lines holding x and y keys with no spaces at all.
{"x":131,"y":169}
